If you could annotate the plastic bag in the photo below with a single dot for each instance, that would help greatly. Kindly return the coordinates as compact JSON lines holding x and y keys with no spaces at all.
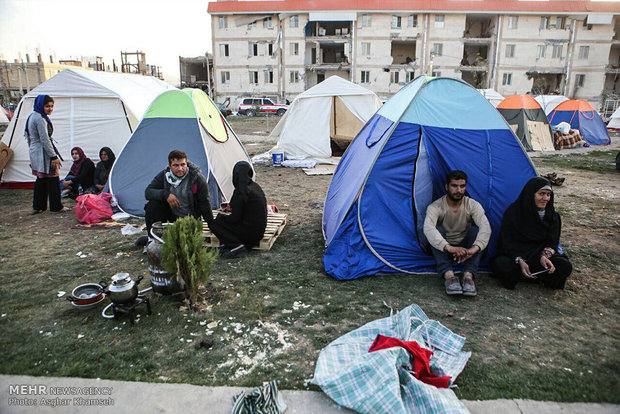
{"x":93,"y":208}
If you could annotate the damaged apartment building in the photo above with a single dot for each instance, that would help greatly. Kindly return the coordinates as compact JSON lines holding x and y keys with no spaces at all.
{"x":280,"y":49}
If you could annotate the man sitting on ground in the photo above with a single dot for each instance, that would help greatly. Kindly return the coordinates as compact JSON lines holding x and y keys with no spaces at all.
{"x":457,"y":229}
{"x":179,"y":190}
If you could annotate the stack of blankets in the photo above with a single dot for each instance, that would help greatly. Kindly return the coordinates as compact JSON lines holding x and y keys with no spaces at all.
{"x":571,"y":140}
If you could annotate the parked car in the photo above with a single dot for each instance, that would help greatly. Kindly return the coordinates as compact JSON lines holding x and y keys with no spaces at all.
{"x":223,"y":109}
{"x":254,"y":106}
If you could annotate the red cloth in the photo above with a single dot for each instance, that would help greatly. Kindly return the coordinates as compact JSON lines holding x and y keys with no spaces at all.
{"x":420,"y":358}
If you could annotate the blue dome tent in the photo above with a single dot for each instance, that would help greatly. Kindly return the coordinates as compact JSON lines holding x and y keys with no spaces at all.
{"x":396,"y":166}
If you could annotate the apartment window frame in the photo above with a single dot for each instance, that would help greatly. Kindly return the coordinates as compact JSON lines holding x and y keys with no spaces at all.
{"x":268,"y":75}
{"x":545,"y":22}
{"x":409,"y":76}
{"x":366,"y":20}
{"x":436,"y":74}
{"x":440,"y":21}
{"x":395,"y":77}
{"x":365,"y":48}
{"x":580,"y":79}
{"x":293,"y":21}
{"x":225,"y":77}
{"x":294,"y":49}
{"x":437,"y":49}
{"x":584,"y":53}
{"x":541,"y":52}
{"x":560,"y":22}
{"x":510,"y":50}
{"x":586,"y":26}
{"x":412,"y":20}
{"x":365,"y":76}
{"x":224,"y":50}
{"x":396,"y":22}
{"x":253,"y":77}
{"x":556,"y":52}
{"x":267,"y":23}
{"x":269,"y":49}
{"x":253,"y":49}
{"x":223,"y":22}
{"x":294,"y":76}
{"x":507,"y":79}
{"x":513,"y":22}
{"x":252,"y":25}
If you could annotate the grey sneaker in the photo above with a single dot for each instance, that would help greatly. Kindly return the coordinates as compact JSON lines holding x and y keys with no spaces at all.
{"x":469,"y":287}
{"x":453,"y":286}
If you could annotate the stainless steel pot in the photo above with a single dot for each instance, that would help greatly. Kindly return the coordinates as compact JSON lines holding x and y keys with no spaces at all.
{"x":87,"y":296}
{"x":123,"y":289}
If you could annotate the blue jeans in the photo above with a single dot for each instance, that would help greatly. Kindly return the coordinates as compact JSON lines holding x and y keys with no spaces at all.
{"x":77,"y":191}
{"x":444,"y":260}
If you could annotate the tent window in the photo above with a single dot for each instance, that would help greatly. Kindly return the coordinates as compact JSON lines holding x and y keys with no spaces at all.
{"x":293,"y":21}
{"x":294,"y":49}
{"x":223,"y":22}
{"x":580,"y":80}
{"x":510,"y":51}
{"x":439,"y":21}
{"x":254,"y":77}
{"x":412,"y":20}
{"x":224,"y":49}
{"x":365,"y":78}
{"x":269,"y":76}
{"x":366,"y":20}
{"x":294,"y":76}
{"x":513,"y":22}
{"x":507,"y":79}
{"x":584,"y":52}
{"x":226,"y":77}
{"x":396,"y":22}
{"x":394,"y":77}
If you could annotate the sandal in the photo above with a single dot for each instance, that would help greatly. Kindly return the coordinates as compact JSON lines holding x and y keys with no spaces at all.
{"x":62,"y":210}
{"x":33,"y":212}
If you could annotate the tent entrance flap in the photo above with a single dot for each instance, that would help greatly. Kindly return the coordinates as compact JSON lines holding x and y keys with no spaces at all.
{"x":345,"y":125}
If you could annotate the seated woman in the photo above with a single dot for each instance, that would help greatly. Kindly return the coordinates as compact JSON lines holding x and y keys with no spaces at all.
{"x":529,"y":240}
{"x":102,"y":169}
{"x":81,"y":176}
{"x":245,"y":225}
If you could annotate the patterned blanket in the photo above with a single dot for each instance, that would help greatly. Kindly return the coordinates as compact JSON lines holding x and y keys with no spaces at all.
{"x":571,"y":140}
{"x":381,"y":382}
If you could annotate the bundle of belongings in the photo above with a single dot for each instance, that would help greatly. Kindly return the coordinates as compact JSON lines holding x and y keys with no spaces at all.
{"x":564,"y":137}
{"x":401,"y":364}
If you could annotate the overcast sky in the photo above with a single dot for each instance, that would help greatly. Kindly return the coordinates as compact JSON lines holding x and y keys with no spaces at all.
{"x":163,"y":29}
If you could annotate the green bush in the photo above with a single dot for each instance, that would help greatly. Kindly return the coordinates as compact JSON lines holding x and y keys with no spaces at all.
{"x":183,"y":253}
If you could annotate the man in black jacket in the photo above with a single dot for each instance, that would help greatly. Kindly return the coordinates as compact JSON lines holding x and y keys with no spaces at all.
{"x":179,"y":190}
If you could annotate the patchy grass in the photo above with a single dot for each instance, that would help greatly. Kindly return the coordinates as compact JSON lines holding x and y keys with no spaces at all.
{"x":275,"y":311}
{"x":596,"y":161}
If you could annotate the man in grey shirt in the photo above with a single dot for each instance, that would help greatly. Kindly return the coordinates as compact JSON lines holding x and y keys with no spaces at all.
{"x":458,"y":230}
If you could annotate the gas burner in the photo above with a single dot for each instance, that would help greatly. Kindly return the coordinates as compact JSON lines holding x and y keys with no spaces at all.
{"x":130,"y":308}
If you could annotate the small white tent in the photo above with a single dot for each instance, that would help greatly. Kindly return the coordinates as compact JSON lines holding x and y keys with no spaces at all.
{"x":549,"y":102}
{"x":91,"y":110}
{"x":614,"y":121}
{"x":333,"y":109}
{"x":4,"y":120}
{"x":492,"y":96}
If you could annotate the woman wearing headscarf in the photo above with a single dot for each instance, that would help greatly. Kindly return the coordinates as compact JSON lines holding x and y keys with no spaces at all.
{"x":44,"y":158}
{"x":82,"y":174}
{"x":529,"y":240}
{"x":102,"y":169}
{"x":245,"y":225}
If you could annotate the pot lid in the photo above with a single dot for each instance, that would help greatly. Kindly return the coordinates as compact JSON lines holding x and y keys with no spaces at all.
{"x":121,"y":279}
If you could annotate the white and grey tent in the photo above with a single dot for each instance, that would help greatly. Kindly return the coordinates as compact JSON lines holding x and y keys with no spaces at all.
{"x":492,"y":96}
{"x":334,"y":109}
{"x":549,"y":102}
{"x":614,"y":121}
{"x":91,"y":110}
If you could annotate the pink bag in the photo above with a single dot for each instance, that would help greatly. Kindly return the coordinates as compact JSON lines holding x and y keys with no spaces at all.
{"x":93,"y":208}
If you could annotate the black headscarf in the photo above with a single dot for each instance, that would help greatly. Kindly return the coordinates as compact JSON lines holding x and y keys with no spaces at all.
{"x":242,"y":176}
{"x":111,"y":158}
{"x":523,"y":232}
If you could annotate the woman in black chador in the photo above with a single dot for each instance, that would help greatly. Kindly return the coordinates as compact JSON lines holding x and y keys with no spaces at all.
{"x":245,"y":225}
{"x":529,"y":240}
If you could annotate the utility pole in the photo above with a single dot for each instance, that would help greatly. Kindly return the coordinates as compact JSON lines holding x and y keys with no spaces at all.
{"x":208,"y":76}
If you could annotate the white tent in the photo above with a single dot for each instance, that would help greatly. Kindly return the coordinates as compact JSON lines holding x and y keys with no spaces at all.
{"x":492,"y":96}
{"x":614,"y":121}
{"x":549,"y":102}
{"x":3,"y":118}
{"x":91,"y":110}
{"x":333,"y":109}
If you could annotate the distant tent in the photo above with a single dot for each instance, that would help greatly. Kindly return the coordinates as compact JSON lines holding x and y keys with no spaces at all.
{"x":91,"y":110}
{"x":334,"y":109}
{"x":549,"y":102}
{"x":614,"y":121}
{"x":187,"y":120}
{"x":396,"y":166}
{"x":4,"y":120}
{"x":492,"y":96}
{"x":580,"y":115}
{"x":528,"y":121}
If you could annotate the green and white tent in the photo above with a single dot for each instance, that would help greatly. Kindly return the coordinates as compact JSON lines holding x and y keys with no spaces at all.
{"x":187,"y":120}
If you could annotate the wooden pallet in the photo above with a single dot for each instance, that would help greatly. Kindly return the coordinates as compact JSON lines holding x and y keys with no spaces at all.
{"x":275,"y":224}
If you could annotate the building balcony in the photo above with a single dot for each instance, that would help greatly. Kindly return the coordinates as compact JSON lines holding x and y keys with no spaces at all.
{"x":405,"y":66}
{"x":612,"y":69}
{"x":327,"y":39}
{"x":546,"y":70}
{"x":476,"y":40}
{"x":328,"y":66}
{"x":472,"y":68}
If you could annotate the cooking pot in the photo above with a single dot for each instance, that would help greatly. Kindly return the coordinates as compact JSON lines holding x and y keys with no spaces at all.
{"x":123,"y":289}
{"x":87,"y":296}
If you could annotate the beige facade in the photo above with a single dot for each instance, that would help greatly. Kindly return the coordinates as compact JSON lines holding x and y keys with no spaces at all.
{"x":282,"y":54}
